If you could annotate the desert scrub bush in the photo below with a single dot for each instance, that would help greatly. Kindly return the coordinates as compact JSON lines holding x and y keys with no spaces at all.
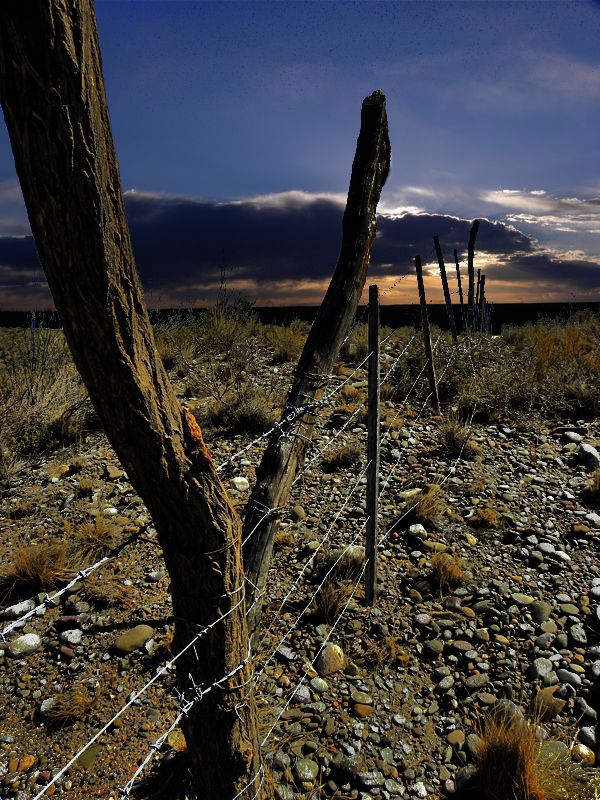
{"x":34,"y":568}
{"x":447,"y":571}
{"x":341,"y":458}
{"x":513,"y":764}
{"x":68,"y":706}
{"x":287,"y":341}
{"x":44,"y":402}
{"x":245,"y":412}
{"x":455,"y":438}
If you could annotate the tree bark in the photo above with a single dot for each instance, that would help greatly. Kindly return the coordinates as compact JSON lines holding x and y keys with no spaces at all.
{"x":284,"y":454}
{"x":52,"y":93}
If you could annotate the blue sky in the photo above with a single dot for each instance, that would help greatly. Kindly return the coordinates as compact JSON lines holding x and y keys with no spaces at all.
{"x":226,"y":108}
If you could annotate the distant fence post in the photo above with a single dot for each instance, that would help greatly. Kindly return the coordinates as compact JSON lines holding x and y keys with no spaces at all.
{"x":471,"y":269}
{"x":442,"y":266}
{"x":482,"y":304}
{"x":426,"y":334}
{"x":460,"y":291}
{"x":373,"y":434}
{"x":476,"y":308}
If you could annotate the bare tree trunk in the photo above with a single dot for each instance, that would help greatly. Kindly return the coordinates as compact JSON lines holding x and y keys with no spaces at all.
{"x":284,"y":454}
{"x":52,"y":93}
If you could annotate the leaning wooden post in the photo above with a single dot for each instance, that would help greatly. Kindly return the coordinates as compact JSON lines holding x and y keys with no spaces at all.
{"x":460,"y":291}
{"x":471,"y":269}
{"x":426,"y":334}
{"x":476,"y":306}
{"x":449,"y":311}
{"x":372,"y":450}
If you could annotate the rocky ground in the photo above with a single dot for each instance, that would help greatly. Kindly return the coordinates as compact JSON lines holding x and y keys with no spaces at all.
{"x":392,"y":705}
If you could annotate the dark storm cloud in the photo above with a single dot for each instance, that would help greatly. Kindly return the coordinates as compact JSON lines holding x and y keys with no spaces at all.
{"x":276,"y":241}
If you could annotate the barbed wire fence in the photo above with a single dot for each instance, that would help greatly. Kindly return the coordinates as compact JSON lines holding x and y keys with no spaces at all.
{"x":195,"y":693}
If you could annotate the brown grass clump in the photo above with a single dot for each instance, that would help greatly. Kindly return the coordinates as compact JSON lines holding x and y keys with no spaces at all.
{"x":430,"y":505}
{"x":107,"y":593}
{"x":485,"y":517}
{"x":341,"y":458}
{"x":385,"y":653}
{"x":455,"y":438}
{"x":68,"y":706}
{"x":592,"y":491}
{"x":244,"y":413}
{"x":35,"y":568}
{"x":330,"y":600}
{"x":351,"y":393}
{"x":512,"y":764}
{"x":447,"y":571}
{"x":283,"y":539}
{"x":90,"y":541}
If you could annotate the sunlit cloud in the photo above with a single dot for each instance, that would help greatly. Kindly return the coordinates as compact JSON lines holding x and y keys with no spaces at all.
{"x":537,"y":207}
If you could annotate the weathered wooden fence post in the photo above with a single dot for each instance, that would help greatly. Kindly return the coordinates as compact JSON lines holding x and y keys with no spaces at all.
{"x":373,"y":434}
{"x":449,"y":311}
{"x":471,"y":269}
{"x":460,"y":291}
{"x":476,"y":319}
{"x":482,"y":304}
{"x":426,"y":334}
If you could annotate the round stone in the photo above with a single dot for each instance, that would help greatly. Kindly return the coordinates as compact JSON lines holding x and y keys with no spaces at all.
{"x":456,"y":738}
{"x":24,"y":645}
{"x":331,"y":660}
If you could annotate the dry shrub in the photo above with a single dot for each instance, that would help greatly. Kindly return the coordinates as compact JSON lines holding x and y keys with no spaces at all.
{"x":484,"y":517}
{"x":287,"y":341}
{"x":447,"y":570}
{"x":512,"y":764}
{"x":91,"y":540}
{"x":244,"y":413}
{"x":385,"y":653}
{"x":107,"y":592}
{"x":356,"y":346}
{"x":455,"y":438}
{"x":348,"y":564}
{"x":592,"y":491}
{"x":429,"y":507}
{"x":35,"y":568}
{"x":341,"y":458}
{"x":330,"y":600}
{"x":68,"y":706}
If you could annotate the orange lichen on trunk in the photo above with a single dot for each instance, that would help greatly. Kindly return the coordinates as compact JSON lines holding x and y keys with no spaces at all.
{"x":194,"y":432}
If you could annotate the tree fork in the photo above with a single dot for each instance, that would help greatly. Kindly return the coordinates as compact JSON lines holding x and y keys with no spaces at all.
{"x":52,"y":93}
{"x":284,"y":454}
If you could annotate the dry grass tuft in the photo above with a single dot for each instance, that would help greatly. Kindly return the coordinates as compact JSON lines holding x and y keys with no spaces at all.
{"x":283,"y":539}
{"x":385,"y":653}
{"x":485,"y":517}
{"x":513,"y":764}
{"x":447,"y":571}
{"x":68,"y":706}
{"x":34,"y":568}
{"x":429,"y":507}
{"x":245,"y":413}
{"x":455,"y":438}
{"x":90,"y":541}
{"x":330,"y":600}
{"x":107,"y":593}
{"x":341,"y":458}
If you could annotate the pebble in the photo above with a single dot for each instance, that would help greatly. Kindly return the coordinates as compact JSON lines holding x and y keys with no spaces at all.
{"x":331,"y":660}
{"x":24,"y":645}
{"x":133,"y":639}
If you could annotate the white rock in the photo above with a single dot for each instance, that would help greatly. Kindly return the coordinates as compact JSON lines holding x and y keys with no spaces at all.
{"x":110,"y":511}
{"x":24,"y":645}
{"x":240,"y":484}
{"x":71,"y":637}
{"x":417,"y":530}
{"x":16,"y":611}
{"x":588,"y":456}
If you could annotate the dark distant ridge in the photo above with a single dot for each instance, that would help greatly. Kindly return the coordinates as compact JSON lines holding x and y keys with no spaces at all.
{"x":395,"y":316}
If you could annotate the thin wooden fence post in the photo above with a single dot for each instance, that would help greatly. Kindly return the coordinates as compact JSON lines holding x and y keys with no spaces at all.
{"x":449,"y":310}
{"x":460,"y":292}
{"x":476,"y":308}
{"x":471,"y":269}
{"x":426,"y":334}
{"x":482,"y":304}
{"x":373,"y":434}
